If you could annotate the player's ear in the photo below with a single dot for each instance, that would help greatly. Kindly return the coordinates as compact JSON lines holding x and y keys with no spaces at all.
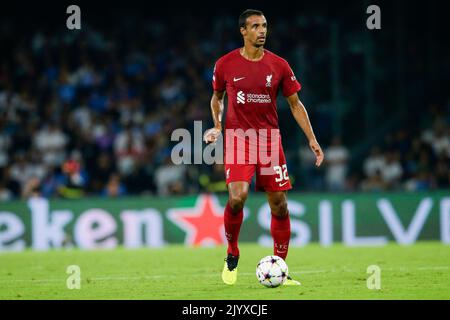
{"x":243,"y":31}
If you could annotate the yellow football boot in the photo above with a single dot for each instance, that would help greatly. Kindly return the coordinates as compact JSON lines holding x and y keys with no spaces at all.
{"x":291,"y":282}
{"x":229,"y":273}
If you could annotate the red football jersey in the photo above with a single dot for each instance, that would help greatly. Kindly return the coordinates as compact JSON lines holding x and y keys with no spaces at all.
{"x":252,"y":88}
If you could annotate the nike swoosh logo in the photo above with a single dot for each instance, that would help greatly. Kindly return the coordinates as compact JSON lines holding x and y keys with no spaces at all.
{"x":282,"y":184}
{"x":237,"y":79}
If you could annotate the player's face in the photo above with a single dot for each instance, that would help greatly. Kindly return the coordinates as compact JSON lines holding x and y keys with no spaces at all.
{"x":255,"y":30}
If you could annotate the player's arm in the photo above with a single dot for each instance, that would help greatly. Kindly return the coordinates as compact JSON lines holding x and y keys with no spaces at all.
{"x":217,"y":105}
{"x":301,"y":116}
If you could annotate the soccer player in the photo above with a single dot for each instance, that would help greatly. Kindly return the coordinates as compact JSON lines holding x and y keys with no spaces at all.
{"x":251,"y":76}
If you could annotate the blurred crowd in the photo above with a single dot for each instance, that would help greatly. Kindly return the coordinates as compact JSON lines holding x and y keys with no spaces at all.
{"x":92,"y":112}
{"x":404,"y":161}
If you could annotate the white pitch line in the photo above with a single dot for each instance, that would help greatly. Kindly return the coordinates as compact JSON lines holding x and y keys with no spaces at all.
{"x":214,"y":275}
{"x":435,"y":268}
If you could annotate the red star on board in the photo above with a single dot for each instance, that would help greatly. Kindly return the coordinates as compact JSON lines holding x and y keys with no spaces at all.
{"x":203,"y":223}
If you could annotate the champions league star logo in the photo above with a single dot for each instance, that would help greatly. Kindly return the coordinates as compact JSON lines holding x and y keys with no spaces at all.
{"x":269,"y":81}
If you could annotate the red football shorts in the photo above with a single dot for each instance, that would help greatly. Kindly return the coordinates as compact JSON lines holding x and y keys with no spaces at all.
{"x":270,"y":167}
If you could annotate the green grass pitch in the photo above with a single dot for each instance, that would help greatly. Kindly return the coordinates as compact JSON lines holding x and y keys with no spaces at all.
{"x":421,"y":271}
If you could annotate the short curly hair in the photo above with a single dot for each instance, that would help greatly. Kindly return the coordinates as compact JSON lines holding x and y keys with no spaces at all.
{"x":247,"y":13}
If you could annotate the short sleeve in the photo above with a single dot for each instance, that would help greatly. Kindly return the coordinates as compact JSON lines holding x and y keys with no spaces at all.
{"x":289,"y":83}
{"x":218,"y":78}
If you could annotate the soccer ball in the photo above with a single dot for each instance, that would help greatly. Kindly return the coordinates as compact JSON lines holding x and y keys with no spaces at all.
{"x":271,"y":271}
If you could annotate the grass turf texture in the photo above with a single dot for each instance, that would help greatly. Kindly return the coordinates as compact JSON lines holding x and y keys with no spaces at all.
{"x":421,"y":271}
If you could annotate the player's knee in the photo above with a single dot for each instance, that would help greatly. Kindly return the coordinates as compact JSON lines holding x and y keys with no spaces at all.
{"x":237,"y":201}
{"x":279,"y":208}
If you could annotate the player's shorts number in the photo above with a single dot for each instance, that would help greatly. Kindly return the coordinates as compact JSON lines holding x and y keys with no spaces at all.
{"x":281,"y":172}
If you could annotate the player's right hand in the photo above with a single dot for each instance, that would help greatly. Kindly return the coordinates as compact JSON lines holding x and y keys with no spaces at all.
{"x":315,"y":147}
{"x":211,"y":135}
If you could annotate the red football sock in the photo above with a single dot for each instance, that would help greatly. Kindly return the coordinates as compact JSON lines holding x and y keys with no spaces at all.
{"x":233,"y":222}
{"x":280,"y":228}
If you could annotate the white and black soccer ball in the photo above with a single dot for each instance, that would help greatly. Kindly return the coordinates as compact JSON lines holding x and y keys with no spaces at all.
{"x":271,"y":271}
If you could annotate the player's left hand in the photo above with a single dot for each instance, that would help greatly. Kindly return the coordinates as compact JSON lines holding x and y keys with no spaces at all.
{"x":315,"y":147}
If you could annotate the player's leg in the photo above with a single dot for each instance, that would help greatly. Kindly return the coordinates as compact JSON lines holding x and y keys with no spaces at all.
{"x":234,"y":214}
{"x":280,"y":225}
{"x":238,"y":182}
{"x":273,"y":178}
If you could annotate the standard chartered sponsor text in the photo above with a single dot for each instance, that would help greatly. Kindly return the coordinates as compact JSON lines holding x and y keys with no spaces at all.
{"x":258,"y":98}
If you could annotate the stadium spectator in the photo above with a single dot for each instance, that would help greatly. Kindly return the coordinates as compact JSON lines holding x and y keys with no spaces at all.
{"x":5,"y":193}
{"x":128,"y":148}
{"x":74,"y":177}
{"x":311,"y":178}
{"x":31,"y":188}
{"x":50,"y":141}
{"x":374,"y":182}
{"x":170,"y":177}
{"x":374,"y":163}
{"x":24,"y":170}
{"x":5,"y":144}
{"x":114,"y":187}
{"x":443,"y":172}
{"x":421,"y":181}
{"x":140,"y":180}
{"x":440,"y":141}
{"x":9,"y":183}
{"x":102,"y":170}
{"x":337,"y":157}
{"x":392,"y":171}
{"x":214,"y":181}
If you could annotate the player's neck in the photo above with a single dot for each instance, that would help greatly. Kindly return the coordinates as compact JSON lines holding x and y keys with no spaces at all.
{"x":252,"y":53}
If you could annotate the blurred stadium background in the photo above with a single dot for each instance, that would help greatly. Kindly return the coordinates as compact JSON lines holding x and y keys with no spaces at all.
{"x":89,"y":113}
